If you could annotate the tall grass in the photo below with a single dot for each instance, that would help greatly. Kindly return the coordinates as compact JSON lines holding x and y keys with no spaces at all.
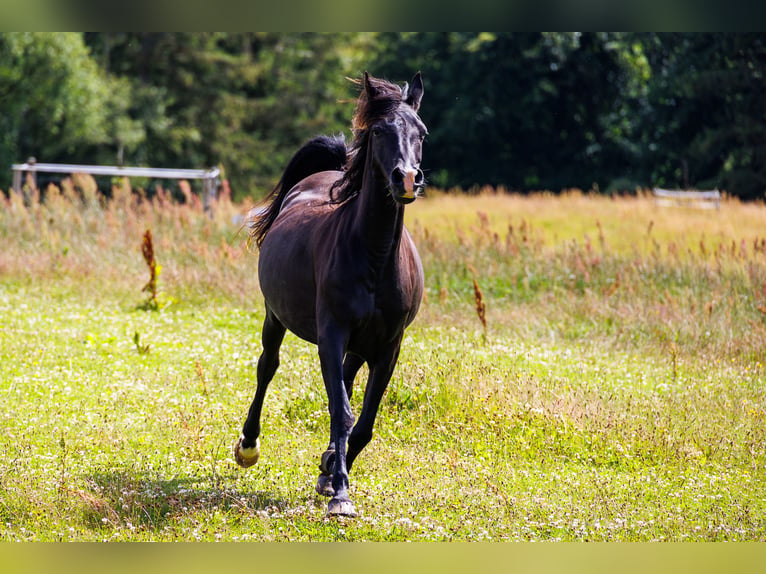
{"x":74,"y":233}
{"x":612,"y":387}
{"x":617,"y":272}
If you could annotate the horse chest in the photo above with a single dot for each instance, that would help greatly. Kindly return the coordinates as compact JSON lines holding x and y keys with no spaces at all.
{"x":381,"y":326}
{"x":371,"y":301}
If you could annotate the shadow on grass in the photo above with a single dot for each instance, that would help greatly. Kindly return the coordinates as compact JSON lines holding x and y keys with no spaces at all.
{"x":121,"y":498}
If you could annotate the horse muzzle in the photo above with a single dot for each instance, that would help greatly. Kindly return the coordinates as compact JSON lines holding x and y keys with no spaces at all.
{"x":406,"y":185}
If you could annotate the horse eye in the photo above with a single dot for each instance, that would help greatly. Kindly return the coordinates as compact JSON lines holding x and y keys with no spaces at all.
{"x":376,"y":130}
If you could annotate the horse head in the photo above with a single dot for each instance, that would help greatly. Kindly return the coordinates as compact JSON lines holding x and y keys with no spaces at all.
{"x":396,"y":139}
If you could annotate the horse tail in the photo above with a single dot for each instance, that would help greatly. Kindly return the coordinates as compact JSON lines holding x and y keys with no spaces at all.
{"x":322,"y":153}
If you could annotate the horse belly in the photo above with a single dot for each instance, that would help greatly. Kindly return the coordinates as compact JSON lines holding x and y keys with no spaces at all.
{"x":286,"y":277}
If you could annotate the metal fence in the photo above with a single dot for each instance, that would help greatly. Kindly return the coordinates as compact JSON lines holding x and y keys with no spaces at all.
{"x":210,"y":177}
{"x":700,"y":199}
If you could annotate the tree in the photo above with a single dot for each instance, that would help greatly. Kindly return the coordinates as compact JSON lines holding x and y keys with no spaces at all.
{"x":57,"y":103}
{"x":706,"y":126}
{"x":526,"y":111}
{"x":245,"y":101}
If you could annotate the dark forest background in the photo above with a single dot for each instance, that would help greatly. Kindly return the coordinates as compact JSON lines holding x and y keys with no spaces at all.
{"x":526,"y":111}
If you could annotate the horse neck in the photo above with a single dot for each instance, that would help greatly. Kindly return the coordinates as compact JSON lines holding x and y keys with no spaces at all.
{"x":380,"y":220}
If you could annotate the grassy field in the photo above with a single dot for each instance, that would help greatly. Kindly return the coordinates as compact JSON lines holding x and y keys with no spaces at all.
{"x":615,"y":391}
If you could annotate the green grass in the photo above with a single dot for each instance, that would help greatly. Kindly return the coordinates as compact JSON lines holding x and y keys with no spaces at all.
{"x":617,"y":394}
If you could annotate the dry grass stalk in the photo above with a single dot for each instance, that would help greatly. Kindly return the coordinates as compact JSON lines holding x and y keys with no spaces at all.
{"x":201,"y":376}
{"x":147,"y":248}
{"x":481,"y":306}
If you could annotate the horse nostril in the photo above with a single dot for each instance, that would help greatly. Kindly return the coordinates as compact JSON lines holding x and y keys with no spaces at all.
{"x":420,"y":179}
{"x":397,"y":177}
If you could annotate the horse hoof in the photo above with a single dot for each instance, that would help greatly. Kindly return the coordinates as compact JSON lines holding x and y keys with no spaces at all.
{"x":247,"y":457}
{"x":324,"y":485}
{"x":341,"y":508}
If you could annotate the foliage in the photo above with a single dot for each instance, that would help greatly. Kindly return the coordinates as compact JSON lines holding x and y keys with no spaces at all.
{"x":56,"y":100}
{"x":611,"y":112}
{"x":244,"y":100}
{"x":526,"y":111}
{"x":706,"y":126}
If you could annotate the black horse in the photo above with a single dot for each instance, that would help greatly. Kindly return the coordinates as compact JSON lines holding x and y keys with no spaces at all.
{"x":338,"y":268}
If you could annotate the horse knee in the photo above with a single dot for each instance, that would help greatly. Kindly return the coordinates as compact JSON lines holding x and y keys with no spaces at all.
{"x":341,"y":416}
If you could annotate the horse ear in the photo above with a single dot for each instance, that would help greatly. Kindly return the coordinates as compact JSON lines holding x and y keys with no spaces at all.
{"x":415,"y":93}
{"x":369,"y":89}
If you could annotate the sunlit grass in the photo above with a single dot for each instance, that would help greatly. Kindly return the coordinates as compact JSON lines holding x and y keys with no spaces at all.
{"x":622,"y":225}
{"x":617,"y":394}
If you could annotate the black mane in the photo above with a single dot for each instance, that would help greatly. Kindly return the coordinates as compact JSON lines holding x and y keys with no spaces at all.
{"x":384,"y":98}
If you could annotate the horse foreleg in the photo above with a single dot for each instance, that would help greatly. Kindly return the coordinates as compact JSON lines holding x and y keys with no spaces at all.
{"x":331,"y":351}
{"x":247,"y":448}
{"x":377,"y":382}
{"x":351,"y":365}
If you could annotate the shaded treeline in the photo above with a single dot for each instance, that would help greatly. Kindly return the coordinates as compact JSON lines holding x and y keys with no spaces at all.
{"x":606,"y":111}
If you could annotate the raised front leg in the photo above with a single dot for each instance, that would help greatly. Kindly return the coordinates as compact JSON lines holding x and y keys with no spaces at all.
{"x":247,"y":448}
{"x":332,"y":342}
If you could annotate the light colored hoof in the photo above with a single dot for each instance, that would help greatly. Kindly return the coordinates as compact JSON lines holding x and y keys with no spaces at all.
{"x":247,"y":457}
{"x":341,"y":508}
{"x":324,"y":485}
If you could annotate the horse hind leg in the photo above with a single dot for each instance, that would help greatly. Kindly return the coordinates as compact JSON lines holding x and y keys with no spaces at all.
{"x":351,"y":365}
{"x":377,"y":382}
{"x":247,"y":448}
